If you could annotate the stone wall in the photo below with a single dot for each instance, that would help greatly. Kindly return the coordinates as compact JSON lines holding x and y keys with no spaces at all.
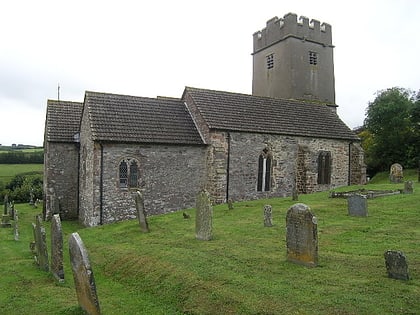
{"x":169,"y":177}
{"x":61,"y":179}
{"x":233,"y":164}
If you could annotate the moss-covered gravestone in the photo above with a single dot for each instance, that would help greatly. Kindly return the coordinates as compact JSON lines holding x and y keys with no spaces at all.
{"x":301,"y":236}
{"x":204,"y":217}
{"x":396,"y":173}
{"x":84,"y":280}
{"x":396,"y":265}
{"x":41,"y":245}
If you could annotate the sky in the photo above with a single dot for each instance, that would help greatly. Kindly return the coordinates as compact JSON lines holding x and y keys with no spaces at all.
{"x":156,"y":48}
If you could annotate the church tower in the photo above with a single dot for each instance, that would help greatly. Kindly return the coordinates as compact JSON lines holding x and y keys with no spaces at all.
{"x":293,"y":59}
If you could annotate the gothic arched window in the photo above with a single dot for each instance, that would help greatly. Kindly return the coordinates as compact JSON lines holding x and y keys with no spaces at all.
{"x":264,"y":171}
{"x":324,"y":167}
{"x":128,"y":174}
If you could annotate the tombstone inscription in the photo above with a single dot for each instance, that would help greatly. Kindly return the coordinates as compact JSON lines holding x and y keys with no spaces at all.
{"x":84,"y":280}
{"x":301,"y":236}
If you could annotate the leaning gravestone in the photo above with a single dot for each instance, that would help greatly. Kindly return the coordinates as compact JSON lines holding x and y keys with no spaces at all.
{"x":41,"y":245}
{"x":57,"y":248}
{"x":141,"y":213}
{"x":268,"y":214}
{"x":204,"y":217}
{"x":83,"y":276}
{"x":396,"y":265}
{"x":396,"y":173}
{"x":16,"y":225}
{"x":301,"y":236}
{"x":357,"y":205}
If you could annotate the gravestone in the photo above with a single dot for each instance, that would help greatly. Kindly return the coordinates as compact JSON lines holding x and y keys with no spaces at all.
{"x":141,"y":213}
{"x":204,"y":217}
{"x":41,"y":245}
{"x":230,"y":204}
{"x":301,"y":236}
{"x":268,"y":213}
{"x":5,"y":219}
{"x":16,"y":225}
{"x":396,"y":265}
{"x":408,"y":187}
{"x":357,"y":205}
{"x":57,"y":268}
{"x":32,"y":245}
{"x":396,"y":173}
{"x":84,"y":280}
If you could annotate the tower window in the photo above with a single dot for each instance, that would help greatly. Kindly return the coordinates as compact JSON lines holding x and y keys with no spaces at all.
{"x":313,"y":58}
{"x":270,"y":61}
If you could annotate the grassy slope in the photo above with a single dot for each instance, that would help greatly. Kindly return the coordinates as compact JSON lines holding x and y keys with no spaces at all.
{"x":242,"y":271}
{"x":8,"y":171}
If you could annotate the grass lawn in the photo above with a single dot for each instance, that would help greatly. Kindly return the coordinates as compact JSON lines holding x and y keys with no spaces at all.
{"x":242,"y":271}
{"x":8,"y":171}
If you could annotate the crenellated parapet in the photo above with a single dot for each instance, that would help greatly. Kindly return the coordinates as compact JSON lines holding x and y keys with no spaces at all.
{"x":290,"y":26}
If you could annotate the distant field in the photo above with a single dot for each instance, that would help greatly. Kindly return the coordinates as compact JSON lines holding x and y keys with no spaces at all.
{"x":7,"y":171}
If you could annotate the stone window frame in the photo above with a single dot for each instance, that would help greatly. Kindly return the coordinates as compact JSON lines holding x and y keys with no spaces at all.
{"x":128,"y":173}
{"x":324,"y":162}
{"x":270,"y":61}
{"x":265,"y":167}
{"x":313,"y":58}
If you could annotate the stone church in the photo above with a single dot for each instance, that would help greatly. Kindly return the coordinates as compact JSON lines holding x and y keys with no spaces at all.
{"x":285,"y":137}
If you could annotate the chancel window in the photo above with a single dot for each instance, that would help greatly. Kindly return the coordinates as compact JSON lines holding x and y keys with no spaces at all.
{"x":324,"y":167}
{"x":128,"y":174}
{"x":270,"y":61}
{"x":264,"y":171}
{"x":313,"y":58}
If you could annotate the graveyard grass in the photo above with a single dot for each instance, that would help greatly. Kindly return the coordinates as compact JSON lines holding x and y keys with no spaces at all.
{"x":243,"y":270}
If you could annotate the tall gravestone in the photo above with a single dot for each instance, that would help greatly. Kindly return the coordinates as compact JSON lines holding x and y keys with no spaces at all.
{"x":396,"y":173}
{"x":268,"y":216}
{"x":204,"y":217}
{"x":84,"y":280}
{"x":41,"y":245}
{"x":396,"y":265}
{"x":57,"y":268}
{"x":301,"y":236}
{"x":141,"y":212}
{"x":5,"y":219}
{"x":357,"y":205}
{"x":16,"y":225}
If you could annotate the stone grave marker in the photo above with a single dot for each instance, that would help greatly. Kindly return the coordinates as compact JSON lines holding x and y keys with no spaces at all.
{"x":16,"y":225}
{"x":141,"y":213}
{"x":41,"y":245}
{"x":357,"y":205}
{"x":57,"y":268}
{"x":32,"y":245}
{"x":408,"y":187}
{"x":301,"y":236}
{"x":204,"y":217}
{"x":396,"y":265}
{"x":5,"y":219}
{"x":396,"y":173}
{"x":84,"y":280}
{"x":268,"y":216}
{"x":230,"y":204}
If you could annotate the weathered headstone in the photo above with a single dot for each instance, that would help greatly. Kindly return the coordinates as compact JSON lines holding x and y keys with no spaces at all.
{"x":84,"y":280}
{"x":396,"y":173}
{"x":301,"y":235}
{"x":16,"y":225}
{"x":357,"y":205}
{"x":204,"y":217}
{"x":408,"y":187}
{"x":41,"y":245}
{"x":230,"y":204}
{"x":141,"y":213}
{"x":396,"y":265}
{"x":32,"y":245}
{"x":268,"y":216}
{"x":5,"y":219}
{"x":57,"y":268}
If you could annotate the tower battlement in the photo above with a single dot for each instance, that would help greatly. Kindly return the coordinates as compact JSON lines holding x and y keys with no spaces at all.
{"x":289,"y":26}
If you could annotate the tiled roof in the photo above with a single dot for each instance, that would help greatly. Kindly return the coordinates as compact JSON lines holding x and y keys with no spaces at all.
{"x":248,"y":113}
{"x":63,"y":120}
{"x":123,"y":118}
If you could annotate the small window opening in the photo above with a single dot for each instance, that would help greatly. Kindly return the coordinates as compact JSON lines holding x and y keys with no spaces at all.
{"x":128,"y":174}
{"x":324,"y":167}
{"x":264,"y":171}
{"x":123,"y":175}
{"x":313,"y":58}
{"x":270,"y":61}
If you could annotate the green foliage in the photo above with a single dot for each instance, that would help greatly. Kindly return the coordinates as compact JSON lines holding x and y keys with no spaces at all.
{"x":390,"y":121}
{"x":242,"y":271}
{"x":22,"y":185}
{"x":22,"y":157}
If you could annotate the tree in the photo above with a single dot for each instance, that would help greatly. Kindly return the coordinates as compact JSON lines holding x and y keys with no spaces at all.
{"x":390,"y":125}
